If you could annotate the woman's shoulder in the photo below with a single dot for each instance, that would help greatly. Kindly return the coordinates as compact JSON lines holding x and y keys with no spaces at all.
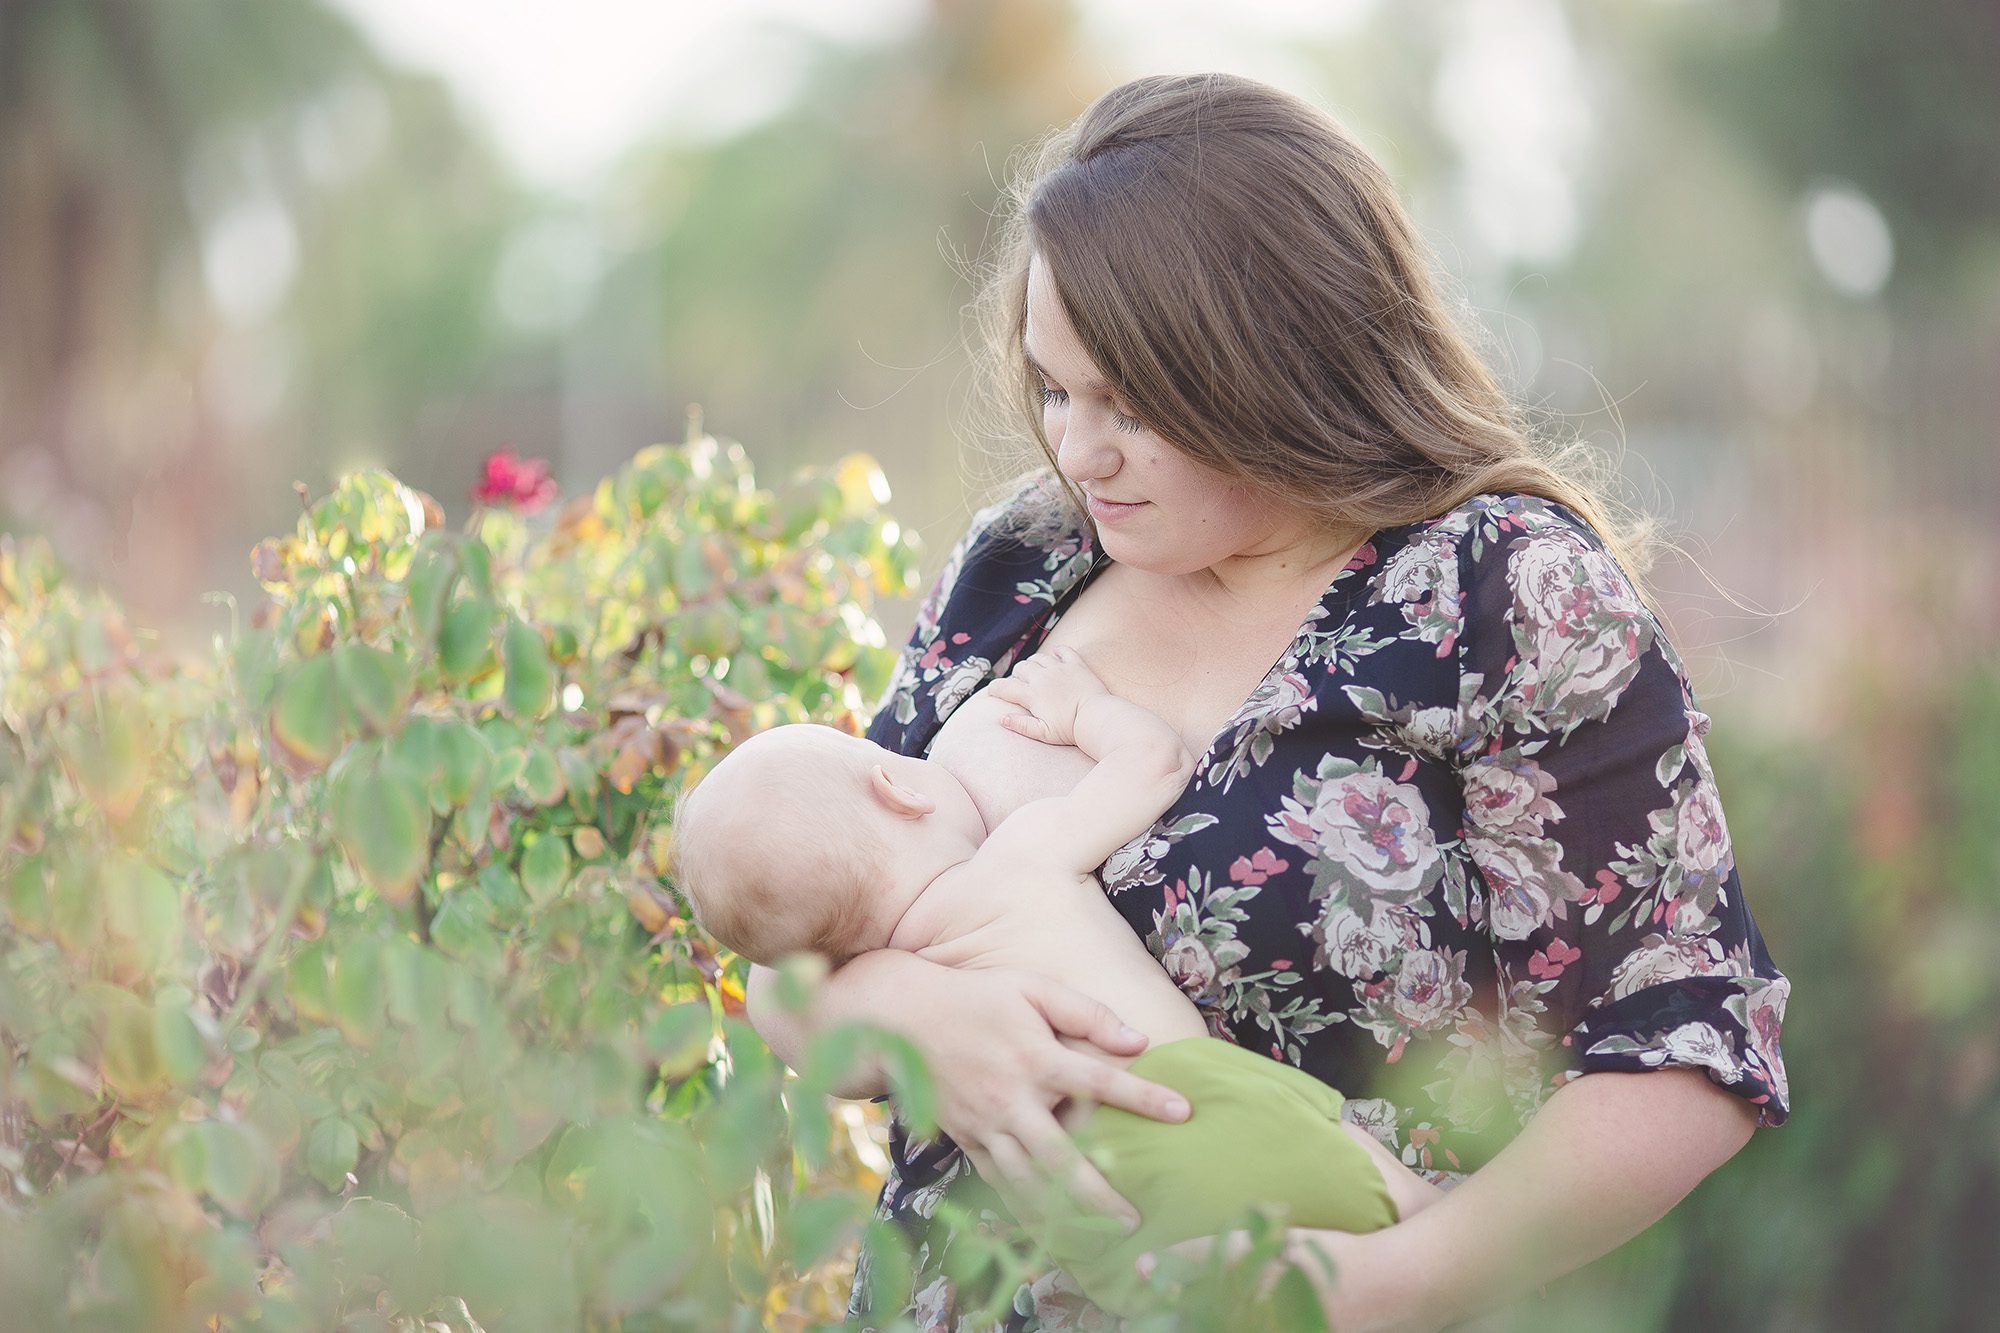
{"x":1496,"y":517}
{"x":1495,"y":540}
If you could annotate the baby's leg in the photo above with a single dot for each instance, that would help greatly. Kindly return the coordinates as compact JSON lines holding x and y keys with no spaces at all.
{"x":1410,"y":1192}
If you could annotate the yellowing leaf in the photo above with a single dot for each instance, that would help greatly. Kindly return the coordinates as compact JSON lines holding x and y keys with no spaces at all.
{"x":375,"y":683}
{"x":382,"y":820}
{"x":465,"y":760}
{"x":306,"y":719}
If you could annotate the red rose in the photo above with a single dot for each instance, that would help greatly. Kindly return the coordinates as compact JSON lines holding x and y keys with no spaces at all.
{"x":523,"y":484}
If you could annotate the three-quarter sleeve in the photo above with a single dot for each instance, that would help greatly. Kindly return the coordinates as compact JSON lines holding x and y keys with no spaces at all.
{"x":1591,"y":815}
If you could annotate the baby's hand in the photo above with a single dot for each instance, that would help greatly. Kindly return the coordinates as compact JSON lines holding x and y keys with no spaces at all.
{"x":1051,"y":685}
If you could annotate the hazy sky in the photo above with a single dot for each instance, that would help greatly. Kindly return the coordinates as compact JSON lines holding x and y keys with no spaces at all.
{"x":566,"y":85}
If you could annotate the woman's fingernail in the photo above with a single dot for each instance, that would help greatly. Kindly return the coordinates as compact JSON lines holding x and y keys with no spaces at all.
{"x":1179,"y":1109}
{"x":1130,"y":1033}
{"x":1144,"y":1264}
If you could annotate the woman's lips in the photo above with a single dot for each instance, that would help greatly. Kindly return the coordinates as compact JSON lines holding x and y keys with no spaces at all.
{"x":1110,"y":511}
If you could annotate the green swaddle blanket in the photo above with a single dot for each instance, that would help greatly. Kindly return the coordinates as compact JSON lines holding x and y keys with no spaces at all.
{"x":1261,"y":1133}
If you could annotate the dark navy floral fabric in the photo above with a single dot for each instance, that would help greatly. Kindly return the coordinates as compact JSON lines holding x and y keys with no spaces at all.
{"x":1460,"y":846}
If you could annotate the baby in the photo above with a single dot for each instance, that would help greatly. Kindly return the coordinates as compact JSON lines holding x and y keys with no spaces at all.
{"x":807,"y":839}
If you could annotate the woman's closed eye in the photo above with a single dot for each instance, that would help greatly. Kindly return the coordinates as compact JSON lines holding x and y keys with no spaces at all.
{"x":1051,"y":397}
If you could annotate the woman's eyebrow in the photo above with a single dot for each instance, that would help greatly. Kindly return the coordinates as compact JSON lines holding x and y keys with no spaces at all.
{"x":1091,"y":386}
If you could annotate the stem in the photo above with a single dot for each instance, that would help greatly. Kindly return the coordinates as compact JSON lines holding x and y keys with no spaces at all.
{"x":268,"y":952}
{"x":439,"y":827}
{"x":76,"y":1144}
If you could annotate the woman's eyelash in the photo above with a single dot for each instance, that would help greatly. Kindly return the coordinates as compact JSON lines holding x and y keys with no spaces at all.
{"x":1050,"y":397}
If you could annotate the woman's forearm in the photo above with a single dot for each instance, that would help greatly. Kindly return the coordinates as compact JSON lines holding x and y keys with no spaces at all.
{"x":1606,"y":1157}
{"x":860,"y":990}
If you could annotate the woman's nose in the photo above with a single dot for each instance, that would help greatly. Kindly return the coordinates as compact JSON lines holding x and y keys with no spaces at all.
{"x":1085,"y":453}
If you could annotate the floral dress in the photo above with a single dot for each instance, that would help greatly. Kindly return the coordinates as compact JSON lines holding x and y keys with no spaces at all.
{"x":1461,"y":845}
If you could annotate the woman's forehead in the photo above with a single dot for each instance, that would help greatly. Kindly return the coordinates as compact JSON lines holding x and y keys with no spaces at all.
{"x":1048,"y":341}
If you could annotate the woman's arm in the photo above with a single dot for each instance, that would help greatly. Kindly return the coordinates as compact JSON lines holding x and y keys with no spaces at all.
{"x":1606,"y":1156}
{"x":863,"y":981}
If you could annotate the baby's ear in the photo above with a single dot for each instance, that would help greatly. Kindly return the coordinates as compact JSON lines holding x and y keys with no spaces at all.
{"x":899,"y":799}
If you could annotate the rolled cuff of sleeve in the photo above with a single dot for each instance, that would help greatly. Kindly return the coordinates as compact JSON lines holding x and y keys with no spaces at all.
{"x":1725,"y":1025}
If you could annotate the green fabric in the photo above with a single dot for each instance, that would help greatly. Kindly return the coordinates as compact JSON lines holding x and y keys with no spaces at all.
{"x":1261,"y":1132}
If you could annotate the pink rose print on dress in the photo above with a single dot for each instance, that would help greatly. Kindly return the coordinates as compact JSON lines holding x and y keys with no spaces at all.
{"x":1258,"y":868}
{"x":1579,"y":628}
{"x":1423,"y":576}
{"x":1526,"y":886}
{"x":1509,"y":793}
{"x":1551,"y":961}
{"x":1662,"y":958}
{"x":1371,"y":837}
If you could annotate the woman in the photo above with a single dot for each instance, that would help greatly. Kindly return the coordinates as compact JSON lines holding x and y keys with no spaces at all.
{"x":1454,"y":841}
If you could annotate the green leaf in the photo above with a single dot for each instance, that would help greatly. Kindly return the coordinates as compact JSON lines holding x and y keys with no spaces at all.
{"x":531,"y":678}
{"x":678,"y":1038}
{"x":910,"y":1081}
{"x":276,"y":1118}
{"x":581,"y":778}
{"x":545,"y":867}
{"x":305,"y":984}
{"x":240,"y":1170}
{"x":143,"y":908}
{"x":382,"y":819}
{"x":464,"y":760}
{"x":179,"y":1042}
{"x":376,"y":684}
{"x":255,"y":662}
{"x":130,"y":1058}
{"x":819,"y":1224}
{"x":691,"y":576}
{"x":477,"y":562}
{"x":307,"y":719}
{"x":466,"y":638}
{"x":414,"y":979}
{"x":542,"y":777}
{"x":332,"y":1149}
{"x":108,"y":751}
{"x":356,"y":990}
{"x":429,"y":582}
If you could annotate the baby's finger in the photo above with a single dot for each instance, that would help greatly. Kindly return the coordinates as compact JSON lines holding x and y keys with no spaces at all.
{"x":1027,"y":725}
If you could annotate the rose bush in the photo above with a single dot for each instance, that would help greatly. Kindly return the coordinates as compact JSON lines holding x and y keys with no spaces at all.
{"x":343,"y":983}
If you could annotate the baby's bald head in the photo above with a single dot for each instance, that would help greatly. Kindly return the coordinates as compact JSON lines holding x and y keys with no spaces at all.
{"x":778,"y":849}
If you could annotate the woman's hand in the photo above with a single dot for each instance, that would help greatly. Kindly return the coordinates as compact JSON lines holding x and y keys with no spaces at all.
{"x":991,"y":1040}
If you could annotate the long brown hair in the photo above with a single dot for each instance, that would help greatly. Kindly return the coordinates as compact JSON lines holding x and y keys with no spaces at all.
{"x":1241,"y":271}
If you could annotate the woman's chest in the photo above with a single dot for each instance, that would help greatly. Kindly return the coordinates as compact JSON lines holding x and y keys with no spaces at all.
{"x":1192,"y":664}
{"x":1192,"y":661}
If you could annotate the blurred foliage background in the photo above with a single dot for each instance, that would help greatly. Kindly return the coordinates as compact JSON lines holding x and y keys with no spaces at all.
{"x":1752,"y":249}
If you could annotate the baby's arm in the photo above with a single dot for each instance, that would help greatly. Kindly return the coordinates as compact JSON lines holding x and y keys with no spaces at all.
{"x":1142,"y":763}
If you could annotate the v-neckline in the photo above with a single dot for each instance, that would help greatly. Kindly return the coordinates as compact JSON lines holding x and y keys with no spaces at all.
{"x":1316,"y":612}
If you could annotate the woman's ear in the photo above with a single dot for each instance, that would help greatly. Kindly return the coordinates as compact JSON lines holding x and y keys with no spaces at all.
{"x":900,"y":799}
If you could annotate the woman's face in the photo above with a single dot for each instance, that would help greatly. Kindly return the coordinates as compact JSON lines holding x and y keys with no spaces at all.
{"x":1185,"y":516}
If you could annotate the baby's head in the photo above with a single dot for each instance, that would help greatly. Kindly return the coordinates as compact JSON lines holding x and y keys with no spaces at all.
{"x":804,"y":838}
